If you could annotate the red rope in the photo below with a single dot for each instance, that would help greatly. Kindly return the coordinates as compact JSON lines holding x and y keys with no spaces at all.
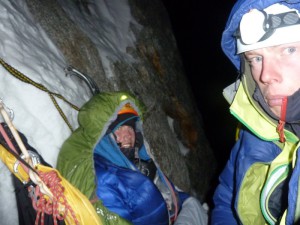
{"x":45,"y":205}
{"x":280,"y":127}
{"x":39,"y":201}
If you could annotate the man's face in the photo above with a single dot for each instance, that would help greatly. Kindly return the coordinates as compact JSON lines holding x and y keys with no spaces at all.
{"x":125,"y":136}
{"x":276,"y":70}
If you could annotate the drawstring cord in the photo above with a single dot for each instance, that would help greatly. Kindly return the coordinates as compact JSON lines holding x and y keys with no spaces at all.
{"x":280,"y":127}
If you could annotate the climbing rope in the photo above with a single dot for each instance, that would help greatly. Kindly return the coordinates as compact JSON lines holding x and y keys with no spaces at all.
{"x":52,"y":95}
{"x":47,"y":195}
{"x":42,"y":204}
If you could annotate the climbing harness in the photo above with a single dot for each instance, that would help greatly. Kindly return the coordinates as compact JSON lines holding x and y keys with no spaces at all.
{"x":51,"y":94}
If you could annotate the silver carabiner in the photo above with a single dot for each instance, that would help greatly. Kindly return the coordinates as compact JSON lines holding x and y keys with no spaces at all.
{"x":9,"y":110}
{"x":35,"y":159}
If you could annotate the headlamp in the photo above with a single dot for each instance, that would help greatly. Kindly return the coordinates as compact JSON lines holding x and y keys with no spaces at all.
{"x":272,"y":26}
{"x":257,"y":25}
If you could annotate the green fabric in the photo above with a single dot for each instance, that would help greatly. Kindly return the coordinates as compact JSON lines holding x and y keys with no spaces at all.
{"x":248,"y":200}
{"x":75,"y":160}
{"x":247,"y":111}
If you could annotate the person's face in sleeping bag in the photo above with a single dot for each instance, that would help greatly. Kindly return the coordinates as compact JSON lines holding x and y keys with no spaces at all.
{"x":125,"y":136}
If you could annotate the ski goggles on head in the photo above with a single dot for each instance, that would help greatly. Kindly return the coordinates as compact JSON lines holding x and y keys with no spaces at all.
{"x":257,"y":26}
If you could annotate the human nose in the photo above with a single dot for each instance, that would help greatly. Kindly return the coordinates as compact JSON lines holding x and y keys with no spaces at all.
{"x":125,"y":135}
{"x":271,"y":71}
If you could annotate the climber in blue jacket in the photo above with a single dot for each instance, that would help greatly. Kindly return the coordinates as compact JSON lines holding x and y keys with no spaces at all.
{"x":260,"y":182}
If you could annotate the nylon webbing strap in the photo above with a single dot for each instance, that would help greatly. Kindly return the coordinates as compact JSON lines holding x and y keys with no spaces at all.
{"x":9,"y":146}
{"x":52,"y":95}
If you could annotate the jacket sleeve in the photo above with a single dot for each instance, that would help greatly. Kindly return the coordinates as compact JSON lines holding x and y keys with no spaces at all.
{"x":224,"y":196}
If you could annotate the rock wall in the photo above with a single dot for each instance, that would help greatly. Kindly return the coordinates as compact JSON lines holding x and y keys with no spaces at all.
{"x":151,"y":68}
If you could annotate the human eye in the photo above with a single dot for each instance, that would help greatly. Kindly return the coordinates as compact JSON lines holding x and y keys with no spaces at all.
{"x":290,"y":50}
{"x":130,"y":128}
{"x":118,"y":130}
{"x":254,"y":60}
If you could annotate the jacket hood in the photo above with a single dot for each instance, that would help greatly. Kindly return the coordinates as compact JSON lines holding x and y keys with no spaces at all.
{"x":228,"y":41}
{"x":249,"y":113}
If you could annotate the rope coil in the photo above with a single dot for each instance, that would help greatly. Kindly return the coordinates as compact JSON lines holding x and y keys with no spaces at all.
{"x":58,"y":207}
{"x":48,"y":194}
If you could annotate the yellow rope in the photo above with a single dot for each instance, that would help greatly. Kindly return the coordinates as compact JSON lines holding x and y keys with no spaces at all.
{"x":52,"y":95}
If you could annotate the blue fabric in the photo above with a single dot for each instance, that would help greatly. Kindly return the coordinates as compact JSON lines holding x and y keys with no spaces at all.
{"x":247,"y":150}
{"x":109,"y":149}
{"x":129,"y":194}
{"x":293,"y":193}
{"x":126,"y":191}
{"x":143,"y":154}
